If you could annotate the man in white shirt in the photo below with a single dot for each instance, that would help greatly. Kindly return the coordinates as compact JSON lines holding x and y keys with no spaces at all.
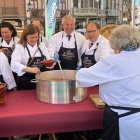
{"x":96,"y":46}
{"x":67,"y":44}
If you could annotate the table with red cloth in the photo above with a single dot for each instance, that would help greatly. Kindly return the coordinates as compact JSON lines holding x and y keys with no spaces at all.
{"x":24,"y":114}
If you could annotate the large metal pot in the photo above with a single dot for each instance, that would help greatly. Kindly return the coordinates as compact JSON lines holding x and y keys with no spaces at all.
{"x":52,"y":88}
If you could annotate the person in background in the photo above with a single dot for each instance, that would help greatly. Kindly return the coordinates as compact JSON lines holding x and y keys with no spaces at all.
{"x":6,"y":75}
{"x":96,"y":46}
{"x":67,"y":45}
{"x":38,"y":23}
{"x":27,"y":57}
{"x":8,"y":38}
{"x":118,"y":77}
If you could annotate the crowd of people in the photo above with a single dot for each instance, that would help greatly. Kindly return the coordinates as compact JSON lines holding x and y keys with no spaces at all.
{"x":69,"y":47}
{"x":112,"y":64}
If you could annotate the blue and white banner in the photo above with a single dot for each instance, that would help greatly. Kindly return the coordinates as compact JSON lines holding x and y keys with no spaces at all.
{"x":51,"y":11}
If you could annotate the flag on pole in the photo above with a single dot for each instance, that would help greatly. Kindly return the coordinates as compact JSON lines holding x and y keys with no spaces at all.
{"x":50,"y":17}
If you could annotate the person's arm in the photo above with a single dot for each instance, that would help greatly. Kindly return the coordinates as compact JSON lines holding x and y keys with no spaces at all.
{"x":17,"y":63}
{"x":99,"y":73}
{"x":7,"y":72}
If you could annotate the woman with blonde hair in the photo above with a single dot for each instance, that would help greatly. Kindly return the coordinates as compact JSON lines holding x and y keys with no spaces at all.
{"x":118,"y":77}
{"x":27,"y":57}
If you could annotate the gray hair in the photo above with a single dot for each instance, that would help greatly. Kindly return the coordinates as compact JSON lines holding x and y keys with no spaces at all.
{"x":68,"y":17}
{"x":124,"y":37}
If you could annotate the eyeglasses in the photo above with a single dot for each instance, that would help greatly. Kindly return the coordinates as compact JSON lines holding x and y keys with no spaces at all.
{"x":92,"y":31}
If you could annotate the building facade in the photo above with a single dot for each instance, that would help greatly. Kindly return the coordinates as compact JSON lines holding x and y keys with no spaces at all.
{"x":13,"y":11}
{"x":22,"y":12}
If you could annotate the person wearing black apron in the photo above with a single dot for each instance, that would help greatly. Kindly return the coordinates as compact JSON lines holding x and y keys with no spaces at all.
{"x":68,"y":57}
{"x":96,"y":46}
{"x":27,"y":57}
{"x":118,"y":77}
{"x":67,"y":45}
{"x":8,"y":39}
{"x":7,"y":50}
{"x":25,"y":80}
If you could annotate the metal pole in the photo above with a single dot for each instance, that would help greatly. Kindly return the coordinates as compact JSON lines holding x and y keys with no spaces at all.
{"x":46,"y":21}
{"x":133,"y":13}
{"x":97,"y":12}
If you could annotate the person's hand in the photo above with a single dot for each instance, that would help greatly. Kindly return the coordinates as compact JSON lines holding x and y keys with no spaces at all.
{"x":4,"y":50}
{"x":56,"y":56}
{"x":35,"y":70}
{"x":52,"y":66}
{"x":79,"y":67}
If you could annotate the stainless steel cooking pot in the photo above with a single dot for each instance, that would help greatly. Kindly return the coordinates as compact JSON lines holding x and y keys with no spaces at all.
{"x":52,"y":88}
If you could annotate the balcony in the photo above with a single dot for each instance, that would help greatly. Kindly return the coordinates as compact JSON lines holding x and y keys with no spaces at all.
{"x":113,"y":12}
{"x":10,"y":12}
{"x":93,"y":12}
{"x":88,"y":12}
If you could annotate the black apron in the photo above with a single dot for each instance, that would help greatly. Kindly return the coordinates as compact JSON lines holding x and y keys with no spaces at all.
{"x":89,"y":60}
{"x":25,"y":80}
{"x":68,"y":57}
{"x":9,"y":51}
{"x":111,"y":121}
{"x":1,"y":79}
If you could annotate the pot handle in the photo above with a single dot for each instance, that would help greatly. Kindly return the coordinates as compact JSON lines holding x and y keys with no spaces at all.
{"x":33,"y":81}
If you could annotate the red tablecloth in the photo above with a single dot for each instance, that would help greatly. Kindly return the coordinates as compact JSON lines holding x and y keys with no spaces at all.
{"x":24,"y":114}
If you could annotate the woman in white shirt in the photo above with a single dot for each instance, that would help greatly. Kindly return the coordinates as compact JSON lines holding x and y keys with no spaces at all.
{"x":6,"y":75}
{"x":118,"y":77}
{"x":27,"y":57}
{"x":8,"y":38}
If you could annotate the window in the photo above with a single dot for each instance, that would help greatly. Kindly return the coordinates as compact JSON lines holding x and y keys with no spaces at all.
{"x":90,"y":3}
{"x":75,"y":3}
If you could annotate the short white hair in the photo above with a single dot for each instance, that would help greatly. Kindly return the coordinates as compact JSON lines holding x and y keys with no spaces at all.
{"x":124,"y":37}
{"x":68,"y":17}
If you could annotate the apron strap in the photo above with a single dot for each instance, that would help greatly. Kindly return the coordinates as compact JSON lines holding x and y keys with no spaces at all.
{"x":30,"y":55}
{"x":130,"y":109}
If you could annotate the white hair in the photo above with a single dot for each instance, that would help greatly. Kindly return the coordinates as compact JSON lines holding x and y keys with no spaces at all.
{"x":68,"y":17}
{"x":124,"y":37}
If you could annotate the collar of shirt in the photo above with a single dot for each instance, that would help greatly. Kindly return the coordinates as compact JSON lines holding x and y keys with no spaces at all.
{"x":98,"y":39}
{"x":65,"y":35}
{"x":5,"y":44}
{"x":32,"y":49}
{"x":68,"y":43}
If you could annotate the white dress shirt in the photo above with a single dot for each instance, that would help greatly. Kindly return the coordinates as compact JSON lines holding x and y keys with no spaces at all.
{"x":13,"y":41}
{"x":118,"y":77}
{"x":102,"y":47}
{"x":57,"y":39}
{"x":6,"y":72}
{"x":20,"y":56}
